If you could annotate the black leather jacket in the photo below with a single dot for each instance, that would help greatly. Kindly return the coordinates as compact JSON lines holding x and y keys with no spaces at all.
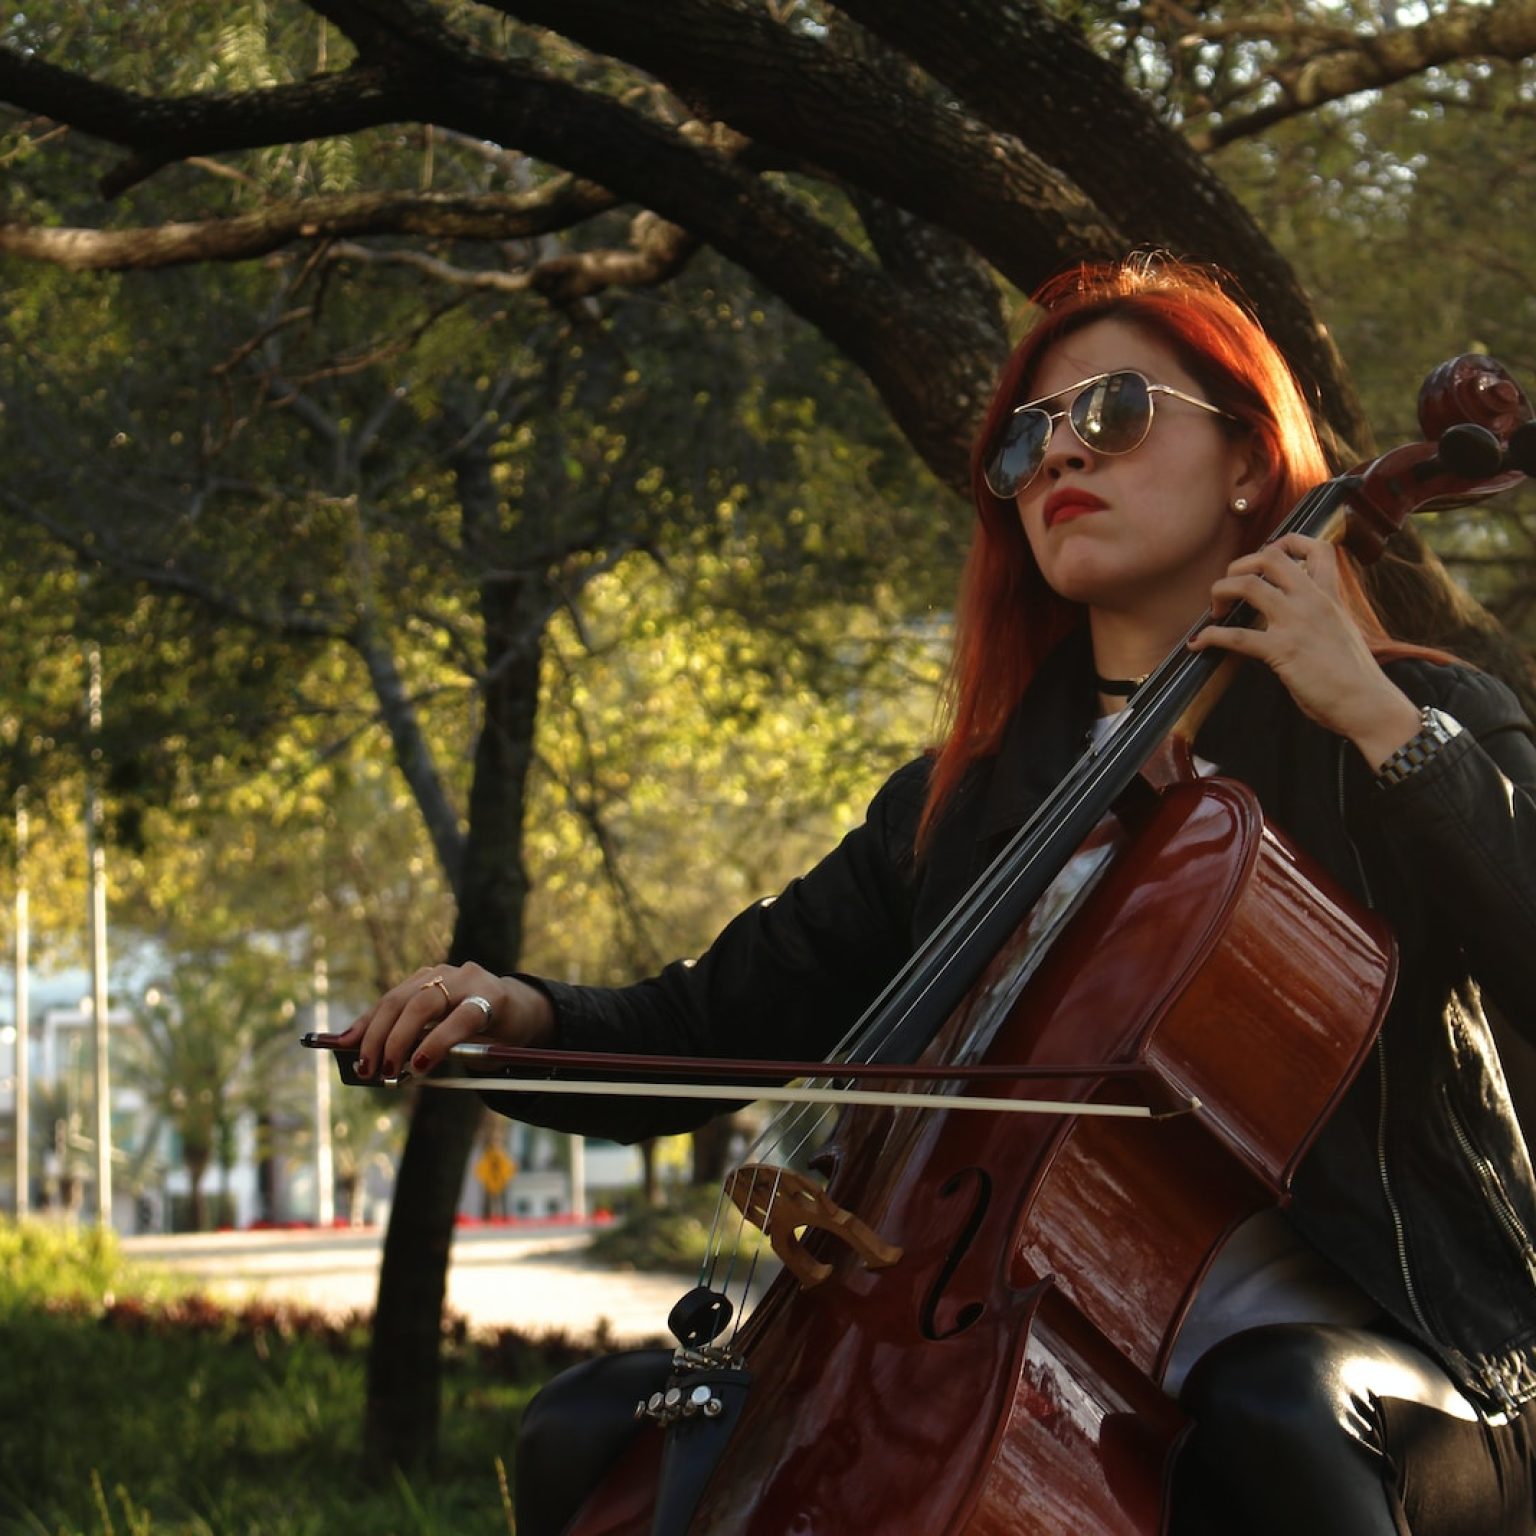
{"x":1420,"y":1187}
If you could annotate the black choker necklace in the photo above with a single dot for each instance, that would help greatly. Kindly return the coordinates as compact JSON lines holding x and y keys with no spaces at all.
{"x":1120,"y":687}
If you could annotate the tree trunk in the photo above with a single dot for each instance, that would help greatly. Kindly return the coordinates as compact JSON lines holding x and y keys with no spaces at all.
{"x":711,"y":1143}
{"x":268,"y":1200}
{"x":404,"y":1369}
{"x":196,"y":1168}
{"x":650,"y":1177}
{"x":350,"y":1187}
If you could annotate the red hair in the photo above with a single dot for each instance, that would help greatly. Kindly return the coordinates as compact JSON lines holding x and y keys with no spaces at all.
{"x":1007,"y":620}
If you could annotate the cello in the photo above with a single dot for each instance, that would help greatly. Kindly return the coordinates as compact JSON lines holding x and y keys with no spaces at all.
{"x":1024,"y":1289}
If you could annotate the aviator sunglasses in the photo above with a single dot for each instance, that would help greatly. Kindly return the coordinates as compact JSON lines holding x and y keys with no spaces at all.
{"x":1111,"y":413}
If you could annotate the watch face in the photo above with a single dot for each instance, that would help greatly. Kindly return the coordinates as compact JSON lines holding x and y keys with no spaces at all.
{"x":1435,"y":729}
{"x":1441,"y":725}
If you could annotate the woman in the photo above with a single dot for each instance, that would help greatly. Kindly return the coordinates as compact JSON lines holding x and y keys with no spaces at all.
{"x":1361,"y":1364}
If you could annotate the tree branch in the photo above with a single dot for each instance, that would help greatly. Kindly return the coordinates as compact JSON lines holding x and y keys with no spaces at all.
{"x":903,"y":338}
{"x":91,"y":548}
{"x":496,"y":216}
{"x":413,"y":753}
{"x":831,"y":108}
{"x":658,"y":251}
{"x":1346,"y":65}
{"x":160,"y":130}
{"x":1061,"y":97}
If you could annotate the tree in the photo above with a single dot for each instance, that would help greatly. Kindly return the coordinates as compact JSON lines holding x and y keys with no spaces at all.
{"x":876,"y":164}
{"x":515,"y":487}
{"x":942,"y":139}
{"x":886,"y":168}
{"x":1442,"y":272}
{"x":201,"y":1035}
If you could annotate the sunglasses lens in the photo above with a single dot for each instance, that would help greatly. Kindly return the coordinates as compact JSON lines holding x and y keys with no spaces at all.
{"x":1113,"y":414}
{"x":1020,"y":447}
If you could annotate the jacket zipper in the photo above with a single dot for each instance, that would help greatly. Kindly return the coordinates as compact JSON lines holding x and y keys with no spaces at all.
{"x":1508,"y":1217}
{"x":1399,"y":1232}
{"x":1392,"y":1206}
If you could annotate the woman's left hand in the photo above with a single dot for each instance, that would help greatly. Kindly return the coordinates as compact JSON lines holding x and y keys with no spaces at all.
{"x":1312,"y":643}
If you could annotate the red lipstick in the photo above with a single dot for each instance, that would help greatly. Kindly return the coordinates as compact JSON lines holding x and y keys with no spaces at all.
{"x":1069,"y":502}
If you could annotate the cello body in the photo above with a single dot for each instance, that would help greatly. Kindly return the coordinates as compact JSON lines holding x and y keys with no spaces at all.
{"x":1002,"y":1377}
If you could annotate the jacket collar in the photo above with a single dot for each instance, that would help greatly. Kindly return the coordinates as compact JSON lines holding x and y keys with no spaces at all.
{"x":1045,"y":736}
{"x":1049,"y":731}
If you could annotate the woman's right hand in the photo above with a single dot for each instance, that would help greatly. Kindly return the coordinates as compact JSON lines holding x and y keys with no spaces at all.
{"x":412,"y":1027}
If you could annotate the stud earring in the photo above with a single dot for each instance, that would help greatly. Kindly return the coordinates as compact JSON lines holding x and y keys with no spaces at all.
{"x":1239,"y":504}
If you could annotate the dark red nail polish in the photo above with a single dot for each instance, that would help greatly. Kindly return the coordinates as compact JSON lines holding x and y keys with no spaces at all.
{"x":420,"y":1063}
{"x":364,"y":1066}
{"x":389,"y":1069}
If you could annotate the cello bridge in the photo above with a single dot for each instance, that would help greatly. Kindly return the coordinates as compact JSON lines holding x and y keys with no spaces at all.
{"x":782,"y":1203}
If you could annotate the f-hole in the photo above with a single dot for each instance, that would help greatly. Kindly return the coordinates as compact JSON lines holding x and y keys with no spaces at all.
{"x":969,"y":1314}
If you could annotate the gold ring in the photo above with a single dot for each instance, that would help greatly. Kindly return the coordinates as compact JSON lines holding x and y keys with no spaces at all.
{"x":437,"y":981}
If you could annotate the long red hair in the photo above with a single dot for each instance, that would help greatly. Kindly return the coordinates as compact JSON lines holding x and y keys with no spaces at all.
{"x":1007,"y":620}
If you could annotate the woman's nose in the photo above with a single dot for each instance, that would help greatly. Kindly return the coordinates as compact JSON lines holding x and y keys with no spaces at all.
{"x":1064,"y":449}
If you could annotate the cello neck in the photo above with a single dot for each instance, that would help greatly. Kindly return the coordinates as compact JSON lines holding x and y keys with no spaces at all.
{"x":1174,"y":698}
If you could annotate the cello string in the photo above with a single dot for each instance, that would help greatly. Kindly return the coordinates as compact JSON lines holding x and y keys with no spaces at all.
{"x":707,"y":1263}
{"x":736,"y":1252}
{"x":1056,"y":907}
{"x":879,"y":1023}
{"x":792,"y":1127}
{"x":991,"y":890}
{"x":767,"y":1146}
{"x":741,"y":1232}
{"x":746,"y":1297}
{"x":756,"y":1153}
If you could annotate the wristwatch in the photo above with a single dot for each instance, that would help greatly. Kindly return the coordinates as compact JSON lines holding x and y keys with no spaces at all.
{"x":1435,"y":729}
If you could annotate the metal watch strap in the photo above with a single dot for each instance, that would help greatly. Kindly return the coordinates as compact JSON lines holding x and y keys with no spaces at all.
{"x":1436,"y":728}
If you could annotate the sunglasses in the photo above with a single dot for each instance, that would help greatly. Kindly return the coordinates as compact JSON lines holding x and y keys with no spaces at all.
{"x":1110,"y":413}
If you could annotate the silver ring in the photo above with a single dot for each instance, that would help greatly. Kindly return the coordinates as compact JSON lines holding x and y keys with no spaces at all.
{"x":482,"y":1003}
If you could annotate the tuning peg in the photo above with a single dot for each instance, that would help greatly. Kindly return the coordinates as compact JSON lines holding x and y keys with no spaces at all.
{"x":1520,"y":451}
{"x":1468,"y":450}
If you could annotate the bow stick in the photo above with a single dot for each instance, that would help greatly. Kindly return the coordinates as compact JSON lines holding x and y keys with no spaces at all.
{"x":1164,"y":1101}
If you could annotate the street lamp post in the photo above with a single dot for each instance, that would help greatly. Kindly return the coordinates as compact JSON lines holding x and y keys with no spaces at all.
{"x":96,"y":845}
{"x":325,"y":1174}
{"x":23,"y":1075}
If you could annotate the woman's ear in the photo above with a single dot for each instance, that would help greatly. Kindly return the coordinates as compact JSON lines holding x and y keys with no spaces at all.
{"x":1250,"y":478}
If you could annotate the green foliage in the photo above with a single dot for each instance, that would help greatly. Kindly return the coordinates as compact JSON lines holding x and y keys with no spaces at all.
{"x":42,"y":1262}
{"x":321,"y":849}
{"x":677,"y":1235}
{"x":759,"y":745}
{"x":1418,"y":252}
{"x":205,"y":1034}
{"x":246,"y":765}
{"x":183,"y":1417}
{"x":184,"y":1433}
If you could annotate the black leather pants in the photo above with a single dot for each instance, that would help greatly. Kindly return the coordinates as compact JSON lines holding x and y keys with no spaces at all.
{"x":1312,"y":1430}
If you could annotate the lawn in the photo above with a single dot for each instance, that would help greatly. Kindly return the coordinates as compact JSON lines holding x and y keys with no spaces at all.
{"x":129,"y":1410}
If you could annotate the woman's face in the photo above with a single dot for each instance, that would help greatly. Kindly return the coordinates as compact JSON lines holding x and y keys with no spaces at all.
{"x":1145,"y":533}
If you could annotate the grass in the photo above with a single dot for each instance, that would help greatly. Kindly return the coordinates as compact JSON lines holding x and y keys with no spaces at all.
{"x":127,"y":1409}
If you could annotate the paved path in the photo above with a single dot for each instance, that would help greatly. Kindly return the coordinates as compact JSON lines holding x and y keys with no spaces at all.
{"x":529,"y":1277}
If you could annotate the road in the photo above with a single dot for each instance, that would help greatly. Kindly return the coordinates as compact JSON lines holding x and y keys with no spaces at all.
{"x":528,"y":1277}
